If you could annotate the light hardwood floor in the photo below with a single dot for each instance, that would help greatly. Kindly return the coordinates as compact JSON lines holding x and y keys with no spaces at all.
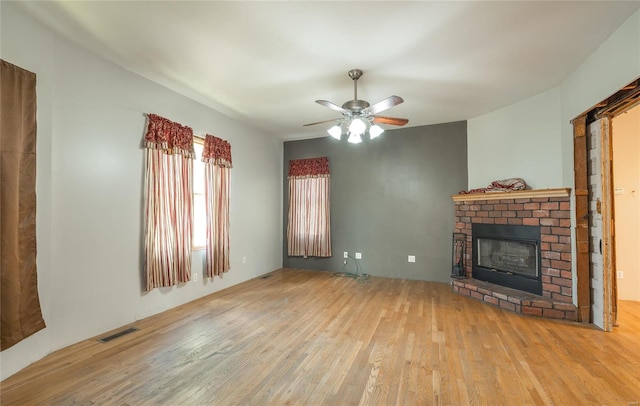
{"x":311,"y":338}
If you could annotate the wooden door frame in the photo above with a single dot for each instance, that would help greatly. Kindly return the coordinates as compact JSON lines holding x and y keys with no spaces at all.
{"x":618,"y":103}
{"x":608,"y":248}
{"x":581,"y":209}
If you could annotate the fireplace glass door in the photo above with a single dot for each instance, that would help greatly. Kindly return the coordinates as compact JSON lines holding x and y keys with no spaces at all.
{"x":519,"y":257}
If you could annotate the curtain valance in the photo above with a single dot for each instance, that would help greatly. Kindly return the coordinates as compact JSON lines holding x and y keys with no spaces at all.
{"x":217,"y":151}
{"x":309,"y":168}
{"x":168,"y":136}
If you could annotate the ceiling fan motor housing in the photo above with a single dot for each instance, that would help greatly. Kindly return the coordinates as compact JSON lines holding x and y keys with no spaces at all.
{"x":356,"y":106}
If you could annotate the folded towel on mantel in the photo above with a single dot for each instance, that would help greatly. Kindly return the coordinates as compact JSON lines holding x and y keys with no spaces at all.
{"x":505,"y":185}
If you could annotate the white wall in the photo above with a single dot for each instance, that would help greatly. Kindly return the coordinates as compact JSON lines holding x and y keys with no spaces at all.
{"x":626,"y":178}
{"x":533,"y":139}
{"x":90,"y":191}
{"x":613,"y":65}
{"x":518,"y":141}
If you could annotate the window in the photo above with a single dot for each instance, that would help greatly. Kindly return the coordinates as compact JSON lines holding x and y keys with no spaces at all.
{"x":186,"y":202}
{"x":199,"y":207}
{"x":168,"y":202}
{"x":309,"y":225}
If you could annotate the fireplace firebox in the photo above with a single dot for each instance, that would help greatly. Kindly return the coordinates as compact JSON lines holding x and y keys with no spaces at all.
{"x":507,"y":255}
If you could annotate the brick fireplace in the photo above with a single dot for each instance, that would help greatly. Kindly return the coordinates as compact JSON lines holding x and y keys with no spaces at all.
{"x":548,"y":209}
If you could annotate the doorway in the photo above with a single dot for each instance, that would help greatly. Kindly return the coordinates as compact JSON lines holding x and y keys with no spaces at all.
{"x":595,"y":203}
{"x":626,"y":199}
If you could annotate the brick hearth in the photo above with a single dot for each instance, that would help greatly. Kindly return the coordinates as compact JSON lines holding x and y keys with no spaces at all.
{"x":549,"y":209}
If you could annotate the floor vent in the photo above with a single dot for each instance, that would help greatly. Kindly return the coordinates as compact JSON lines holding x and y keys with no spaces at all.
{"x":118,"y":334}
{"x":266,"y":276}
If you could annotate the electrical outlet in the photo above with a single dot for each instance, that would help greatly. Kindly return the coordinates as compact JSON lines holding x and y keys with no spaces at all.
{"x":346,"y":254}
{"x":620,"y":274}
{"x":244,"y":260}
{"x":195,"y":277}
{"x":358,"y":255}
{"x":412,"y":258}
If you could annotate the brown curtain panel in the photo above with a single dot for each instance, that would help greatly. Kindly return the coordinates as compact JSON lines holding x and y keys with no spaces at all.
{"x":20,"y":313}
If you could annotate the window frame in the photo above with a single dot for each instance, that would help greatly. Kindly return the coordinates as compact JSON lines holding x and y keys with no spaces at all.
{"x":199,"y":141}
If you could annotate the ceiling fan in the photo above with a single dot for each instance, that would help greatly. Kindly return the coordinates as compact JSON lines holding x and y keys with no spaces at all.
{"x":359,"y":117}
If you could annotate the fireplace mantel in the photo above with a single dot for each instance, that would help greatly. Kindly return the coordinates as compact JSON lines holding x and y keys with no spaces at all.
{"x":517,"y":194}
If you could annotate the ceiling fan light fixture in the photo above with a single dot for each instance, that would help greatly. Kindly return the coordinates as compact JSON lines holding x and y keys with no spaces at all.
{"x":375,"y":131}
{"x":357,"y":126}
{"x":335,"y":132}
{"x":354,"y":138}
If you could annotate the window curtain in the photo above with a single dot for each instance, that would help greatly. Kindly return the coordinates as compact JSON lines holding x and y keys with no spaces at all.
{"x":309,"y":223}
{"x":21,"y":315}
{"x":217,"y":158}
{"x":168,"y":202}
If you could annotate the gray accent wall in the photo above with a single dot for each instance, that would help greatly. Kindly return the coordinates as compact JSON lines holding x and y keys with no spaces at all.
{"x":390,"y":198}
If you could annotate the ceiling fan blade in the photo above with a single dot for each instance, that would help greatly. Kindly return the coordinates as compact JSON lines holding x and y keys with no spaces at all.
{"x":331,"y":106}
{"x":322,"y":122}
{"x":385,"y":104}
{"x":390,"y":120}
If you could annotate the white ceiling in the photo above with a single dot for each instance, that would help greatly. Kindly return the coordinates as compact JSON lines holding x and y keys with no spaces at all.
{"x":266,"y":62}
